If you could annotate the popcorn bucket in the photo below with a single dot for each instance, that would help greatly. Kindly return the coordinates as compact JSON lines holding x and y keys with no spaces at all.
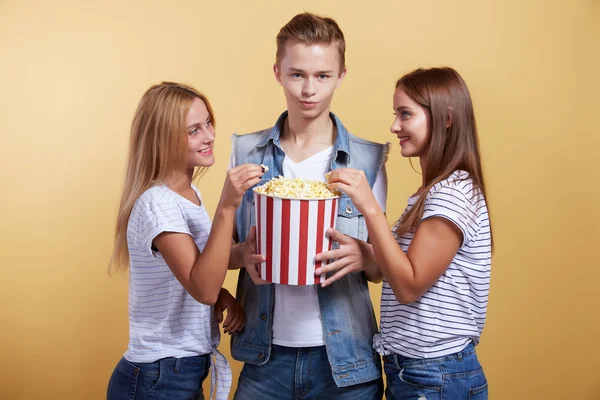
{"x":290,"y":233}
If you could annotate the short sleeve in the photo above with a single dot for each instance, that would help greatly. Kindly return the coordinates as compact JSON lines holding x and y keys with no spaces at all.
{"x":450,"y":201}
{"x":150,"y":218}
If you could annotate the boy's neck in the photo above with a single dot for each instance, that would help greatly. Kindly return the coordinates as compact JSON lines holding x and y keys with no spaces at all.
{"x":303,"y":132}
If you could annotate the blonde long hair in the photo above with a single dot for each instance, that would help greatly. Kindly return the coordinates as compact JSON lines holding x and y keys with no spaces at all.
{"x":157,"y":150}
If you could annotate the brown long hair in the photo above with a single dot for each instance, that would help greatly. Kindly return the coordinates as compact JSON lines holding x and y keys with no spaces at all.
{"x":157,"y":149}
{"x":444,"y":95}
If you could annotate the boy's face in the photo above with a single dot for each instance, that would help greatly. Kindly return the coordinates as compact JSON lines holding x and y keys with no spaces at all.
{"x":309,"y":75}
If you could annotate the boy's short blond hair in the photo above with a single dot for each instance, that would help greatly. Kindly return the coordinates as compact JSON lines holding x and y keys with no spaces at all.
{"x":310,"y":28}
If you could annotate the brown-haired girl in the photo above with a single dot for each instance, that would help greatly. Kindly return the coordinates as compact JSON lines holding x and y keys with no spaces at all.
{"x":436,"y":260}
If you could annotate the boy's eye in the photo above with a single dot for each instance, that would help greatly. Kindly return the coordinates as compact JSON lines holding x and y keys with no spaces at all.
{"x":296,"y":75}
{"x":323,"y":76}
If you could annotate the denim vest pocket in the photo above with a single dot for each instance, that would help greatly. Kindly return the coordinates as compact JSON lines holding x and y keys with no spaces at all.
{"x":347,"y":208}
{"x":348,"y":219}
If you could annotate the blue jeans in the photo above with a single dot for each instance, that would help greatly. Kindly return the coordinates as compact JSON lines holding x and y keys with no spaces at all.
{"x":169,"y":378}
{"x":455,"y":377}
{"x":299,"y":373}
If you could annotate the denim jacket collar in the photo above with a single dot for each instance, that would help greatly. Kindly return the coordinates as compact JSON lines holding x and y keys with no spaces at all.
{"x":341,"y":144}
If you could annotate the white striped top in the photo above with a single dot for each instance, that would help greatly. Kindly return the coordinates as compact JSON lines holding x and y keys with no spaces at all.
{"x":452,"y":312}
{"x":164,"y":319}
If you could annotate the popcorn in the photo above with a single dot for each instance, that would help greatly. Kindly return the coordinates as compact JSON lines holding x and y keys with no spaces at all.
{"x":264,"y":168}
{"x":296,"y":189}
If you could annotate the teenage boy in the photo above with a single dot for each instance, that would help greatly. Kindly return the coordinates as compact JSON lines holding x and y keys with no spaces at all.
{"x":310,"y":341}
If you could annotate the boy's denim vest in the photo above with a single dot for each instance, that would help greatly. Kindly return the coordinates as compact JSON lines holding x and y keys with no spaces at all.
{"x":346,"y":309}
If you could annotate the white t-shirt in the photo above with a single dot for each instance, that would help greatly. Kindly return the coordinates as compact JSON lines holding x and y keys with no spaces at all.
{"x":164,"y":319}
{"x":297,"y":316}
{"x":451,"y":314}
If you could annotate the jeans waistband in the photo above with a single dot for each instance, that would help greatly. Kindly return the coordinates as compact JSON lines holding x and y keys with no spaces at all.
{"x":401,"y":360}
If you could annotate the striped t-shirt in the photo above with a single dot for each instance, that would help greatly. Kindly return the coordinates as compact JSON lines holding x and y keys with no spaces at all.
{"x":452,"y":312}
{"x":164,"y":319}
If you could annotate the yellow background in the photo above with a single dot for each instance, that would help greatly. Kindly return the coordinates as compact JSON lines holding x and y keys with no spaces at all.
{"x":72,"y":72}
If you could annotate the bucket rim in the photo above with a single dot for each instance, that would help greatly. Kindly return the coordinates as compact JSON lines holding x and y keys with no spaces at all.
{"x":295,"y":198}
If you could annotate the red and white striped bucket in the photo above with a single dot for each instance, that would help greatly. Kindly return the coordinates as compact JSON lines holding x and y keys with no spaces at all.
{"x":290,"y":233}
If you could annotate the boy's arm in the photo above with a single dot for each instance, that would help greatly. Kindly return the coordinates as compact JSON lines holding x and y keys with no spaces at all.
{"x":372,"y":271}
{"x":236,"y":258}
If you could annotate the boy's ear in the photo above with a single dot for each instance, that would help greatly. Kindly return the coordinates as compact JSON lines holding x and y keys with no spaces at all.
{"x":277,"y":73}
{"x":341,"y":78}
